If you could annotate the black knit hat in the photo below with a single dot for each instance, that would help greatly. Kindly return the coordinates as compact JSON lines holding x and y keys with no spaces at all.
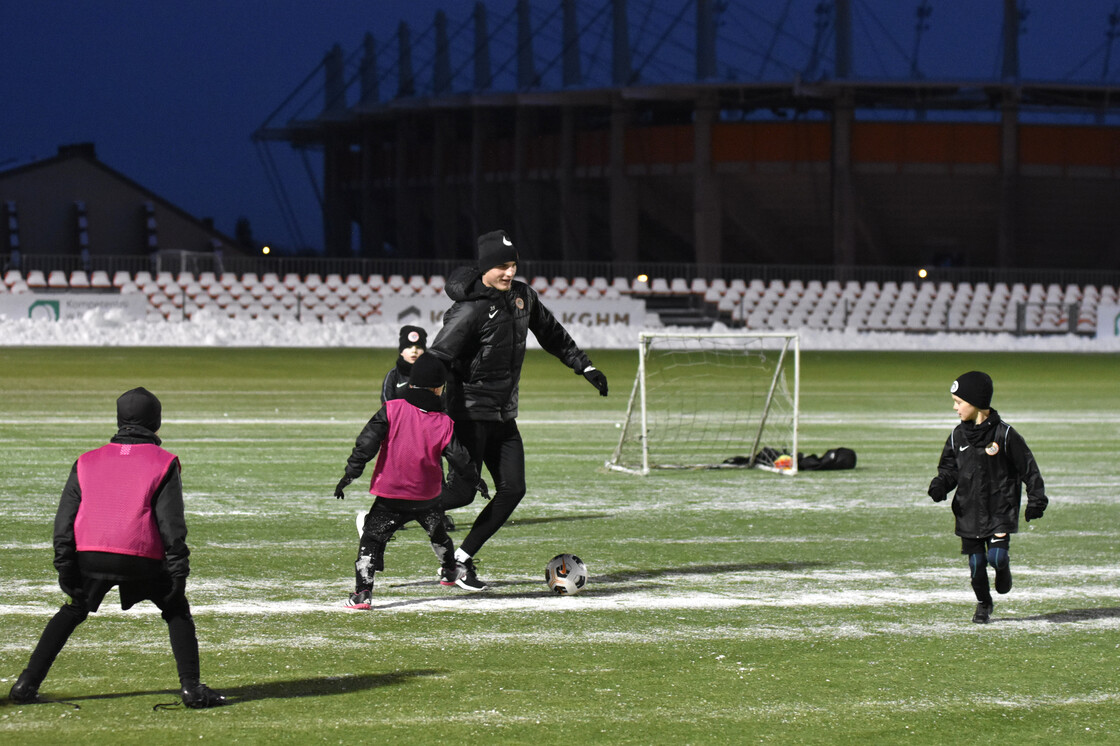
{"x":412,"y":336}
{"x":139,"y":407}
{"x":975,"y":388}
{"x":495,"y":248}
{"x":427,"y":373}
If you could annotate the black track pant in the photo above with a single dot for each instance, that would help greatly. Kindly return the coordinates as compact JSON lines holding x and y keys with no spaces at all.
{"x":177,"y":614}
{"x":498,"y":447}
{"x":384,"y":519}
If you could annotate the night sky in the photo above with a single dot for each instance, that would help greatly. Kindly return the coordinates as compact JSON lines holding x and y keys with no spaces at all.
{"x":170,"y":93}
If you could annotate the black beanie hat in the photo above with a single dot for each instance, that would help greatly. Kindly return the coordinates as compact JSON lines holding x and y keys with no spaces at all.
{"x":975,"y":388}
{"x":139,"y":407}
{"x":413,"y":336}
{"x":495,"y":248}
{"x":427,"y":373}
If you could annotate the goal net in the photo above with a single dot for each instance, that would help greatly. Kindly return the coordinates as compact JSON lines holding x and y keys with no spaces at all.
{"x":712,"y":401}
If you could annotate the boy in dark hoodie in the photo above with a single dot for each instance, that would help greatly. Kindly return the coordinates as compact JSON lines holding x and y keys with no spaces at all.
{"x":120,"y":523}
{"x":413,"y":341}
{"x":408,"y":436}
{"x":985,"y":461}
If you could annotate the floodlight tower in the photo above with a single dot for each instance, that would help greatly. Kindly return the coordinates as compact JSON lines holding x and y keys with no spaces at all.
{"x":1110,"y":35}
{"x":925,"y":10}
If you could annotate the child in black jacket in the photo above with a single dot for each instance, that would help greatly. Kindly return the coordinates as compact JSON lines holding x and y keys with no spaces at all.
{"x":985,"y":460}
{"x":120,"y":523}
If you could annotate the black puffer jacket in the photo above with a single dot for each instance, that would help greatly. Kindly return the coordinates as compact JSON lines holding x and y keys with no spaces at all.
{"x":986,"y":464}
{"x":483,"y":344}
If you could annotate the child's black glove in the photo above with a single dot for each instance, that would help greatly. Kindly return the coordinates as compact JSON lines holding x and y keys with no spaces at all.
{"x":178,"y":589}
{"x":937,"y":491}
{"x":596,"y":378}
{"x":71,"y":585}
{"x":338,"y":490}
{"x":482,"y":489}
{"x":1033,"y":512}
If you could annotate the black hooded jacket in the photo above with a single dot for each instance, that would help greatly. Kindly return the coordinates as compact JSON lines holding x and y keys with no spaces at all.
{"x":985,"y":464}
{"x":482,"y":342}
{"x":167,"y":507}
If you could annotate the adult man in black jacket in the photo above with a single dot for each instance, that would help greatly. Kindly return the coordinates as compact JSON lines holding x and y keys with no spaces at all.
{"x":985,"y":460}
{"x":483,"y":344}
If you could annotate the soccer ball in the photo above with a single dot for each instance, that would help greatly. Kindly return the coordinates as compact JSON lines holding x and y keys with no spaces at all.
{"x":565,"y":574}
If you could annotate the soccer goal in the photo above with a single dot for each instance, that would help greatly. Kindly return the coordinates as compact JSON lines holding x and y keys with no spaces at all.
{"x":712,"y":401}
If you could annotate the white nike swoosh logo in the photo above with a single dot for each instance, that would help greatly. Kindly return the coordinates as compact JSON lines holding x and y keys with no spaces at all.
{"x":402,"y":385}
{"x":494,"y":313}
{"x":506,"y":241}
{"x":964,"y":448}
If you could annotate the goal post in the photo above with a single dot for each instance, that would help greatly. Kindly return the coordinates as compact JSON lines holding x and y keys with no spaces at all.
{"x":712,"y":401}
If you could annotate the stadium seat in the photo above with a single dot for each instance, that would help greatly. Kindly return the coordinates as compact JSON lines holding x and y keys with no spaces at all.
{"x":99,"y":280}
{"x":698,"y":285}
{"x":12,"y":276}
{"x":36,"y":279}
{"x":57,"y":279}
{"x":437,"y":283}
{"x":79,"y":279}
{"x":559,"y":284}
{"x":396,"y":283}
{"x":679,"y":286}
{"x":579,"y":285}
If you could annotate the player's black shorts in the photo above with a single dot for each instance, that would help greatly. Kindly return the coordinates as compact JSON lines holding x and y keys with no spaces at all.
{"x":982,"y":544}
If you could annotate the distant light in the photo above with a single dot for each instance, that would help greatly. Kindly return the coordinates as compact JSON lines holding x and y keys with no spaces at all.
{"x":922,"y":273}
{"x":643,"y":278}
{"x":266,"y":250}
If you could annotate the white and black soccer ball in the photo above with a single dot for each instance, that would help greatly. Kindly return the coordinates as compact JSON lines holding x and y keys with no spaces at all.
{"x":565,"y":574}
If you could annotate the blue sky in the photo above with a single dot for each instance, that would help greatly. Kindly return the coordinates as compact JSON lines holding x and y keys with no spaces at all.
{"x":170,"y":93}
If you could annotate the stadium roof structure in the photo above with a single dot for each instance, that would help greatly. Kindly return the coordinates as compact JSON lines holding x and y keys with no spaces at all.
{"x":563,"y":103}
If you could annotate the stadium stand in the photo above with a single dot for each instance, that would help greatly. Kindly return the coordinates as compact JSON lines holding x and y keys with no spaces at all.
{"x":909,"y":307}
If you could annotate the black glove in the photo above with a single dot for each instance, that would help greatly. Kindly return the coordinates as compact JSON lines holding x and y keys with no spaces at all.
{"x":338,"y":490}
{"x":482,"y":489}
{"x":178,"y":589}
{"x":937,"y":491}
{"x":71,"y":585}
{"x":1033,"y":512}
{"x":596,"y":378}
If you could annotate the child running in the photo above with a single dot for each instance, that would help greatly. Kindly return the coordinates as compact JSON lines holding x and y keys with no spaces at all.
{"x":408,"y":436}
{"x":985,"y":460}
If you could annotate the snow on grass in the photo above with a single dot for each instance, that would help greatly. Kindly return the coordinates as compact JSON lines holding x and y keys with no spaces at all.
{"x":101,"y":330}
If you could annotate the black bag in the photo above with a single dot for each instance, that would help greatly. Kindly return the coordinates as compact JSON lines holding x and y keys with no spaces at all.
{"x":836,"y":458}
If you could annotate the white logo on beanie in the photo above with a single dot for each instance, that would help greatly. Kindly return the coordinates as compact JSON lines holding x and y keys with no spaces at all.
{"x":954,"y":387}
{"x":506,"y":241}
{"x":415,"y":337}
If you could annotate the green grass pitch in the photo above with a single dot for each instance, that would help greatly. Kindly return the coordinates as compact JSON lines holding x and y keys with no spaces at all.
{"x":723,"y":607}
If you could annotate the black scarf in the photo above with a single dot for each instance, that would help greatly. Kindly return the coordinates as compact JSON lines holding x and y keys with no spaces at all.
{"x":981,"y":435}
